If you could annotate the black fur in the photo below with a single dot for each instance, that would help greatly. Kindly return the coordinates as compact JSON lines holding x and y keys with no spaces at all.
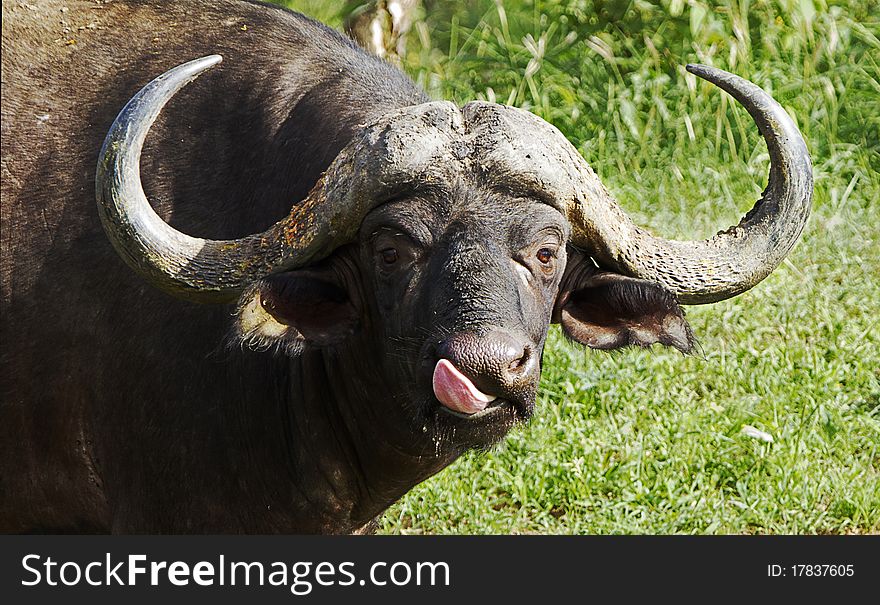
{"x":121,"y":412}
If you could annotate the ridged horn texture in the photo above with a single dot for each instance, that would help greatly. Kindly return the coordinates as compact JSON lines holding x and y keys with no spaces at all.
{"x":520,"y":152}
{"x":391,"y":155}
{"x":431,"y":146}
{"x":736,"y":259}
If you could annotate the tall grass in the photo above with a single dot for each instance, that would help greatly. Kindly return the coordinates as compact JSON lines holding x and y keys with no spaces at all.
{"x":654,"y":442}
{"x":613,"y":81}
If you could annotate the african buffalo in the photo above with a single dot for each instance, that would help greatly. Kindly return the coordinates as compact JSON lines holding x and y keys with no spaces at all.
{"x":305,"y":373}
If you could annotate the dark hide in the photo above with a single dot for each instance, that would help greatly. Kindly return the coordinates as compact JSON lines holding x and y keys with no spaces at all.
{"x":123,"y":411}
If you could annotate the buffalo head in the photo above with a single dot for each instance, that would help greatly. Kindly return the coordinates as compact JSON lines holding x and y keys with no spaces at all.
{"x":442,"y":242}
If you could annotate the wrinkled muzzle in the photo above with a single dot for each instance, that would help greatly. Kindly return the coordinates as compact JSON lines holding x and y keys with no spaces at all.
{"x":474,"y":371}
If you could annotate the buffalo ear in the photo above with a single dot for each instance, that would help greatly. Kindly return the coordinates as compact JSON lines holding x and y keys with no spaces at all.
{"x":610,"y":311}
{"x":296,"y":308}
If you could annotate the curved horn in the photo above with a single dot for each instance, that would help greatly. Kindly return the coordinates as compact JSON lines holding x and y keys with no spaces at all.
{"x":189,"y":267}
{"x":734,"y":260}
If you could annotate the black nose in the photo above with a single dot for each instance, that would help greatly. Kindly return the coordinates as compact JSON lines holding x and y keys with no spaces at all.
{"x":498,"y":363}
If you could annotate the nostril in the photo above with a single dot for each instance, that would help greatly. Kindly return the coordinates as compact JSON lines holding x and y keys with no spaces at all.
{"x":518,"y":364}
{"x":496,"y":362}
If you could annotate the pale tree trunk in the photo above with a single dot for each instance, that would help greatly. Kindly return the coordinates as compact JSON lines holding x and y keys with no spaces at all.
{"x":380,"y":26}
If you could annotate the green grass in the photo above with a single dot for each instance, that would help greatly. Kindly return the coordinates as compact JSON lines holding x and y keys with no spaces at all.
{"x":652,"y":441}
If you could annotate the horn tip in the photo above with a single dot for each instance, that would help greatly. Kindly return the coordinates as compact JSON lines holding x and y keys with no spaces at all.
{"x":207,"y":62}
{"x":700,"y":70}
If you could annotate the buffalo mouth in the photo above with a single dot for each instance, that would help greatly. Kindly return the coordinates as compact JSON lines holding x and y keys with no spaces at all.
{"x":456,"y":392}
{"x":495,"y":410}
{"x":481,"y":429}
{"x":457,"y":396}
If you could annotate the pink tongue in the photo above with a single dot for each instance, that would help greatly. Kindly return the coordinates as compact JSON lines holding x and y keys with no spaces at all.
{"x":455,"y":391}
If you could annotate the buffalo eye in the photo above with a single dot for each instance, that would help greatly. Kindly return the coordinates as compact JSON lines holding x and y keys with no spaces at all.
{"x":389,"y":256}
{"x":544,"y":256}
